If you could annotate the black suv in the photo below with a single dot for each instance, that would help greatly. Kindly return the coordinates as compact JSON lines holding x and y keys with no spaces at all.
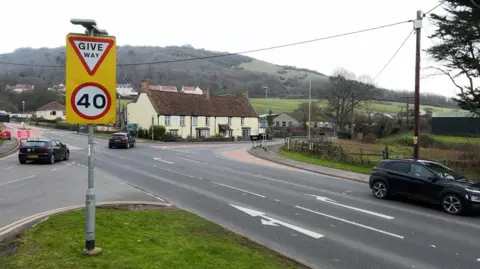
{"x":426,"y":181}
{"x":124,"y":140}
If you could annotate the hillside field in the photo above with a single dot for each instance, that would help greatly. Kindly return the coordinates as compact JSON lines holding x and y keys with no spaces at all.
{"x":288,"y":105}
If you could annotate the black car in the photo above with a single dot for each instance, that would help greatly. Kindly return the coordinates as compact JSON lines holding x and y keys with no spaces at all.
{"x":124,"y":140}
{"x":426,"y":181}
{"x":43,"y":150}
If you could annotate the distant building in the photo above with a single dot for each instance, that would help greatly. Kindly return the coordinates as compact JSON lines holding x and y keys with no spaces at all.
{"x":458,"y":123}
{"x":191,"y":90}
{"x":57,"y":88}
{"x":298,"y":119}
{"x":51,"y":111}
{"x":20,"y":87}
{"x":194,"y":115}
{"x":126,"y":90}
{"x":163,"y":88}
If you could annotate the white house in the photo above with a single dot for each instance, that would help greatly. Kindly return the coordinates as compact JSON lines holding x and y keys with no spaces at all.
{"x":20,"y":88}
{"x":57,"y":88}
{"x":126,"y":90}
{"x":191,"y":90}
{"x":163,"y":88}
{"x":194,"y":115}
{"x":51,"y":111}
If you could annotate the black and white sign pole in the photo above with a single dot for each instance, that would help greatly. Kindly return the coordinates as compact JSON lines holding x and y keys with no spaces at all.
{"x":90,"y":197}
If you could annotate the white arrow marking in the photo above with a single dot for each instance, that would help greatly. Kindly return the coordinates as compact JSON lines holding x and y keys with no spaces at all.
{"x":351,"y":222}
{"x":163,"y":161}
{"x":333,"y":202}
{"x":269,"y":222}
{"x":274,"y":222}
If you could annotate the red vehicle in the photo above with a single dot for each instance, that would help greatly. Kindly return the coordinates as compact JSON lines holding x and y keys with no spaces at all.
{"x":5,"y":135}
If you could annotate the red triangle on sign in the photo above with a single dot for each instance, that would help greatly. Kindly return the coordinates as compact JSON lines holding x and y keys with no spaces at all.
{"x":91,"y":51}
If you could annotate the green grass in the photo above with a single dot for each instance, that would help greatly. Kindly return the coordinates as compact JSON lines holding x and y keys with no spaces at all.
{"x":288,"y":105}
{"x":400,"y":138}
{"x":139,"y":239}
{"x":364,"y":169}
{"x":1,"y":142}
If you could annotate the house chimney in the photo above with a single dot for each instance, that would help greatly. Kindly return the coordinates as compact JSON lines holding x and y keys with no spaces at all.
{"x":145,"y":85}
{"x":206,"y":91}
{"x":245,"y":94}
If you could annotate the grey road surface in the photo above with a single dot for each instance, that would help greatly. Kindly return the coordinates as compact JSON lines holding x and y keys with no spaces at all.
{"x":322,"y":221}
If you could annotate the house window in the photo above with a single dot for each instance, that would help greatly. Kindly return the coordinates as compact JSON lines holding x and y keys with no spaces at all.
{"x":284,"y":123}
{"x":289,"y":123}
{"x":207,"y":121}
{"x":167,"y":120}
{"x":229,"y":120}
{"x":315,"y":124}
{"x":53,"y":113}
{"x":64,"y":113}
{"x":182,"y":120}
{"x":242,"y":121}
{"x":203,"y":133}
{"x":246,"y":132}
{"x":277,"y":123}
{"x":174,"y":132}
{"x":194,"y":121}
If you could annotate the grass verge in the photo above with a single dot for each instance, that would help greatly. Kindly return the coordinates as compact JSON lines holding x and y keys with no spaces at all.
{"x":358,"y":168}
{"x":167,"y":238}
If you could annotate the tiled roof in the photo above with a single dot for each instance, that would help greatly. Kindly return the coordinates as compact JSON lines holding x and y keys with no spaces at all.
{"x":184,"y":104}
{"x":54,"y":105}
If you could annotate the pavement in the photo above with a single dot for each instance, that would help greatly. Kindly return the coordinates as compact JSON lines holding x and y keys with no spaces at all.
{"x":272,"y":154}
{"x":319,"y":220}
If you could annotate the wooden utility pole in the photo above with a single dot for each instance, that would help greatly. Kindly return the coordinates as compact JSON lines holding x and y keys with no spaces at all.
{"x":416,"y":127}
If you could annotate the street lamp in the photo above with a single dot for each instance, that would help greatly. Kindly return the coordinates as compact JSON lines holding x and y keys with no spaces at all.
{"x":23,"y":108}
{"x":266,"y":117}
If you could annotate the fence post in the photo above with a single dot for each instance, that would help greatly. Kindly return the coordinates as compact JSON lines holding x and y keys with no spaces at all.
{"x":386,"y":152}
{"x":361,"y":156}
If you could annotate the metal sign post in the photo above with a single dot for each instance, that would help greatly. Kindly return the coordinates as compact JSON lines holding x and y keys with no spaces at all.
{"x":90,"y":98}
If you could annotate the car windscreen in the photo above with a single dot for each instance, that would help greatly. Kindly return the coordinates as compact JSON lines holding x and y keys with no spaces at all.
{"x":118,"y":136}
{"x":443,"y":171}
{"x":35,"y":144}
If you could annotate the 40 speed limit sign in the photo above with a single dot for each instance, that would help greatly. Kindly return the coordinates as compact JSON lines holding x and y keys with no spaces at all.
{"x":90,"y":79}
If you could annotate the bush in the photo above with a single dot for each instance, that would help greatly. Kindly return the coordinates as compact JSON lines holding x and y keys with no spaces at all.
{"x":370,"y":138}
{"x":158,"y":131}
{"x":169,"y":137}
{"x":344,"y":135}
{"x":62,"y":126}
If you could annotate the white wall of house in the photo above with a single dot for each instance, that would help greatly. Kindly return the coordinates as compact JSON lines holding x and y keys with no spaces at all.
{"x":186,"y":126}
{"x":141,"y":112}
{"x":196,"y":90}
{"x":284,"y":120}
{"x":51,"y":114}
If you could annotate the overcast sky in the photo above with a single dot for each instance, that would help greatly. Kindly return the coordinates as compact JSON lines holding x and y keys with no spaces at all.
{"x":243,"y":25}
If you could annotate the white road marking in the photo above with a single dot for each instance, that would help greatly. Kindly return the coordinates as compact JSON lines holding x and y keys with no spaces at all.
{"x":333,"y":202}
{"x":16,"y":180}
{"x":352,"y":223}
{"x":10,"y":167}
{"x":53,"y":169}
{"x":72,"y":147}
{"x":163,"y":161}
{"x":190,"y":160}
{"x":274,"y":222}
{"x":226,"y":186}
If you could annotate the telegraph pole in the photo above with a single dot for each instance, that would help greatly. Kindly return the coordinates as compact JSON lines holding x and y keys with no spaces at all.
{"x":418,"y":29}
{"x":309,"y":107}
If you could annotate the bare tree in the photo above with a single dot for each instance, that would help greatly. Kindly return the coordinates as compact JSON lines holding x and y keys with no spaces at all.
{"x":346,"y":94}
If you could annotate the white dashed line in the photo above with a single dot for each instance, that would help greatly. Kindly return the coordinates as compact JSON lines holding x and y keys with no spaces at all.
{"x":17,"y":180}
{"x":190,"y":160}
{"x":226,"y":186}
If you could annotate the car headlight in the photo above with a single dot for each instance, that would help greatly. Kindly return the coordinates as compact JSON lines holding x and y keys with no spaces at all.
{"x":472,"y":190}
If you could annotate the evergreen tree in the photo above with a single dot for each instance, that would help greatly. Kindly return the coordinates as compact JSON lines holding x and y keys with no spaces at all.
{"x":458,"y":49}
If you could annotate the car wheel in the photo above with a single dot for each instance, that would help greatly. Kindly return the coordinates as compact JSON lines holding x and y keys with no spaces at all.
{"x":22,"y":161}
{"x":133,"y":145}
{"x":67,"y":156}
{"x":52,"y":159}
{"x":380,"y":189}
{"x":128,"y":145}
{"x":452,"y":204}
{"x":109,"y":146}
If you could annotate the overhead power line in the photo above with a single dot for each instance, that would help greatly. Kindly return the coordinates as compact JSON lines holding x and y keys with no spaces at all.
{"x":432,"y":9}
{"x":236,"y":53}
{"x":394,"y":55}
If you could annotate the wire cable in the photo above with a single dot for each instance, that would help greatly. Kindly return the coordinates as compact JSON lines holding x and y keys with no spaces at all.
{"x":236,"y":53}
{"x":432,"y":9}
{"x":394,"y":55}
